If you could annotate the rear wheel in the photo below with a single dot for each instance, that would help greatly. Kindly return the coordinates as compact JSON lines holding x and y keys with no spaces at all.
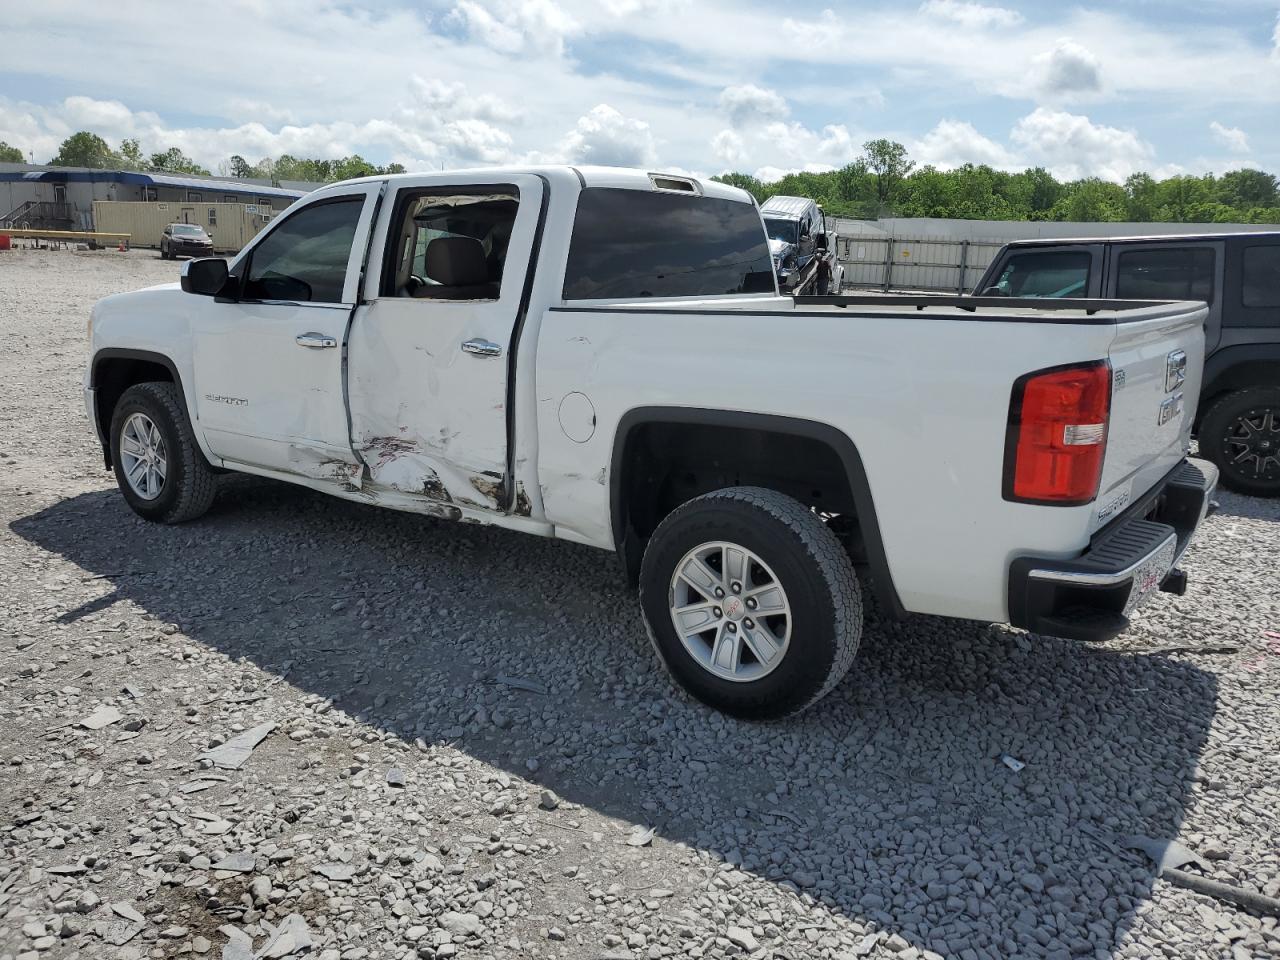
{"x":158,"y":465}
{"x":1240,"y":434}
{"x":751,"y":602}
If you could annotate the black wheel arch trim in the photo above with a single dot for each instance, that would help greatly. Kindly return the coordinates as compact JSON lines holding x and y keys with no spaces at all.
{"x":127,"y":353}
{"x":1242,"y":359}
{"x":836,"y":439}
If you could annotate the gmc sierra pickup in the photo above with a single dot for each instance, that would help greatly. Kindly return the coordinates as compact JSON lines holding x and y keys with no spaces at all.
{"x":601,"y":355}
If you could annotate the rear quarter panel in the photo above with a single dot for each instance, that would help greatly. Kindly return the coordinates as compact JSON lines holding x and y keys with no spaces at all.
{"x":925,"y":399}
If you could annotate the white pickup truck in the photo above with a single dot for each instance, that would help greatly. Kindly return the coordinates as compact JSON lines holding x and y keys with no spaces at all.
{"x":601,"y":355}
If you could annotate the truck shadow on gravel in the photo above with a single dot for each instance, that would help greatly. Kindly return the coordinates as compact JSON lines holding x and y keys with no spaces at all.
{"x":888,"y":803}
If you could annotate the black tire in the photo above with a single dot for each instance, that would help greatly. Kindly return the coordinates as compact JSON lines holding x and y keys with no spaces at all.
{"x":811,"y":566}
{"x":1240,"y":434}
{"x":164,"y":254}
{"x":189,"y":485}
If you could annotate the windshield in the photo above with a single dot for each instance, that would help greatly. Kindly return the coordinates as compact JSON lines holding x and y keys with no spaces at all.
{"x":187,"y":230}
{"x":784,"y":230}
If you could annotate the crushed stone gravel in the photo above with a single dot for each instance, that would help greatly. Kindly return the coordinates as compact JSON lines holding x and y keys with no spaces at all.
{"x":401,"y":803}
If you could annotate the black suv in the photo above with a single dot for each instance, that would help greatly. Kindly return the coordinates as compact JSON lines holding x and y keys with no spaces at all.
{"x":804,"y":253}
{"x":185,"y":240}
{"x":1236,"y":274}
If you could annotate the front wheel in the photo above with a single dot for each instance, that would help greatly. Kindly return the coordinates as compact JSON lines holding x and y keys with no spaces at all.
{"x":1240,"y":434}
{"x":158,"y":465}
{"x":751,"y":602}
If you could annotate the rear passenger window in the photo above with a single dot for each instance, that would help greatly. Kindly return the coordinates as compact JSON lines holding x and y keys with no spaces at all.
{"x":1168,"y":273}
{"x":1054,"y":275}
{"x":629,"y":244}
{"x":452,"y":245}
{"x":1261,"y":286}
{"x":305,"y":257}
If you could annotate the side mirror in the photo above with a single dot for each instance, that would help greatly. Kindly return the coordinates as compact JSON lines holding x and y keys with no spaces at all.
{"x":822,"y":241}
{"x":206,"y":276}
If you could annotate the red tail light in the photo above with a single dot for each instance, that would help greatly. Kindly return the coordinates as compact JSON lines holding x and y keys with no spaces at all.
{"x":1058,"y":435}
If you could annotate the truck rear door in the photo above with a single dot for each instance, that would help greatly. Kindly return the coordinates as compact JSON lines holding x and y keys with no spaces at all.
{"x":429,"y":351}
{"x":1168,"y":270}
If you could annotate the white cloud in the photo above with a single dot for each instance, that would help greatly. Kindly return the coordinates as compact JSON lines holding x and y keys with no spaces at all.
{"x":827,"y":33}
{"x":729,"y":148}
{"x":605,"y":136}
{"x":748,"y":104}
{"x":1275,"y":40}
{"x":953,"y":143}
{"x":1072,"y":146}
{"x":434,"y":96}
{"x":771,"y":174}
{"x":972,"y":15}
{"x":629,"y":8}
{"x":418,"y":132}
{"x":516,"y":26}
{"x":1069,"y":70}
{"x":1233,"y":138}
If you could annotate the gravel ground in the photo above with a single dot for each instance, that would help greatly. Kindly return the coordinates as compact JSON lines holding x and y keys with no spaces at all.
{"x":410,"y":801}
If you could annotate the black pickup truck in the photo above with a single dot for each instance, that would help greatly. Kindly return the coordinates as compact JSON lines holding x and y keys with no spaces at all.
{"x":1236,"y":274}
{"x":803,"y":251}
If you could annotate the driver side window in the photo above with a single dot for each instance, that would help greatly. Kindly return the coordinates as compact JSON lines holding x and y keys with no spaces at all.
{"x":305,"y":257}
{"x":1052,"y":275}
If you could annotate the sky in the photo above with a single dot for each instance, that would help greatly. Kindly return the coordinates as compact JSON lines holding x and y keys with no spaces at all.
{"x":693,"y":86}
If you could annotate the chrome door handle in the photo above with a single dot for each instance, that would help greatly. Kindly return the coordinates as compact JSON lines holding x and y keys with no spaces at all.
{"x":316,"y":341}
{"x":481,"y":348}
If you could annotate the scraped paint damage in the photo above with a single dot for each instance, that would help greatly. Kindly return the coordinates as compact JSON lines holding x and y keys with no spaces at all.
{"x":399,"y":463}
{"x":319,"y":463}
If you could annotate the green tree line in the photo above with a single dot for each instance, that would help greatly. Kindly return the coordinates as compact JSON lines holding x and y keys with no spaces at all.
{"x":884,"y":181}
{"x":87,"y":149}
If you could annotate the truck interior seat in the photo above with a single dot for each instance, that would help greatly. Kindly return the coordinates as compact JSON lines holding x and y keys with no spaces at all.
{"x":459,"y":269}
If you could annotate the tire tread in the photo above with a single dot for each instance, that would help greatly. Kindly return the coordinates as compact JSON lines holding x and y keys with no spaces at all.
{"x":1214,"y":421}
{"x":199,"y":483}
{"x":829,"y":558}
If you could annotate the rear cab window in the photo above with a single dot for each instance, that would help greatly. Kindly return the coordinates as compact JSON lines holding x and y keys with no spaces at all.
{"x":635,"y":244}
{"x":1261,"y":286}
{"x":1053,"y":274}
{"x":1166,"y":273}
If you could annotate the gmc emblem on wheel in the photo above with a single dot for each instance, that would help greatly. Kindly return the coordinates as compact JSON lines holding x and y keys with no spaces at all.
{"x":1175,"y":371}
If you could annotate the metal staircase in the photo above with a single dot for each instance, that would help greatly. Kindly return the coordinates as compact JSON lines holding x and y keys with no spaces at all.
{"x":39,"y":215}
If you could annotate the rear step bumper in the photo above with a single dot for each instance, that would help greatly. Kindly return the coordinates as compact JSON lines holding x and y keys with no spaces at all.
{"x":1091,"y":597}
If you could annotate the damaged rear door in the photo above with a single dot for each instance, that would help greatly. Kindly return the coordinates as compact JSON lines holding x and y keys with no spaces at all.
{"x":430,"y":348}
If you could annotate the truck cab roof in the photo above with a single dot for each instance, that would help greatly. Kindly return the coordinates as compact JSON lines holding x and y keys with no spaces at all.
{"x":1144,"y":238}
{"x":624,"y":178}
{"x":790,"y":208}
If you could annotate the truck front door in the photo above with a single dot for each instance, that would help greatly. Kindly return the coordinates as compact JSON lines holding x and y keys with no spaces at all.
{"x":268,"y":357}
{"x":1066,"y":271}
{"x":430,"y":348}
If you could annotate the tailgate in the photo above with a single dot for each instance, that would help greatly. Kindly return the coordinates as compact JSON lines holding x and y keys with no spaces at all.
{"x":1157,"y":360}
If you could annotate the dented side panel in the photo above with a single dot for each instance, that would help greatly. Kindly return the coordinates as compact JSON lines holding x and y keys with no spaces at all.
{"x":429,"y":419}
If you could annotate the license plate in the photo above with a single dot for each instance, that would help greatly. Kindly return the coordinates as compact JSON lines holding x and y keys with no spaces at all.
{"x":1149,"y":576}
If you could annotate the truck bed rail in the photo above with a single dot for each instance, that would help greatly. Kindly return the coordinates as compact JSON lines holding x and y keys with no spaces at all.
{"x":923,"y":301}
